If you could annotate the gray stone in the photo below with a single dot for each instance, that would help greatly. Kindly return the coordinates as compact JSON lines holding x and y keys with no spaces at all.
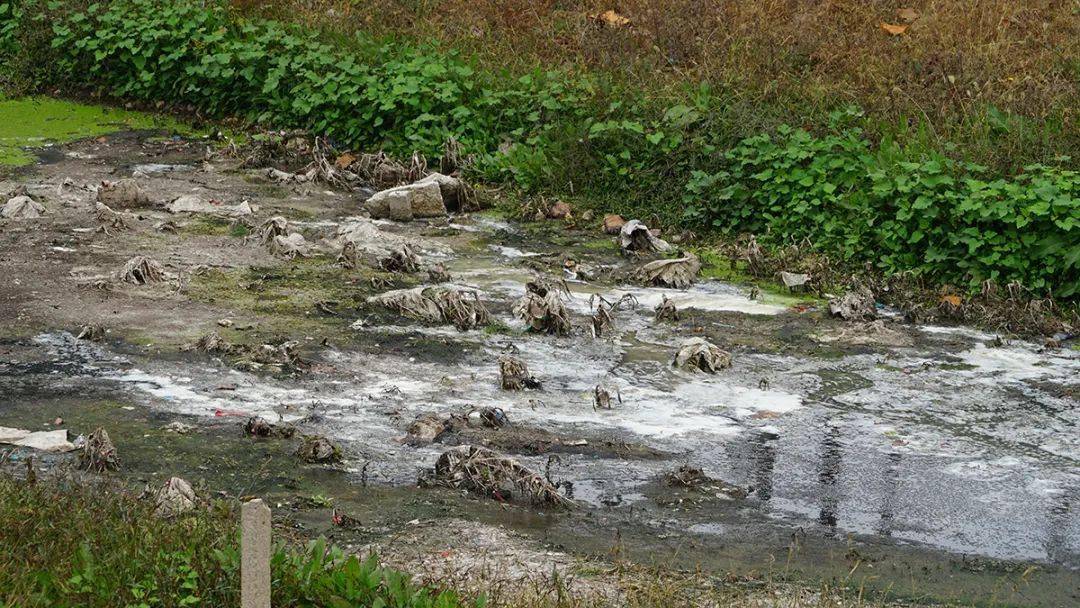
{"x":419,"y":200}
{"x":124,"y":194}
{"x":255,"y":555}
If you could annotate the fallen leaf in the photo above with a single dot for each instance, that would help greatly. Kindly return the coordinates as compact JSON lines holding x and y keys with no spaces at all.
{"x":613,"y":19}
{"x":952,"y":300}
{"x":893,"y":30}
{"x":908,"y":15}
{"x":344,"y":160}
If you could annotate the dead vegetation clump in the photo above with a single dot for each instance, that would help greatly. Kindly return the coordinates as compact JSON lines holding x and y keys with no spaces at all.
{"x":250,"y":356}
{"x":604,"y":400}
{"x":272,"y":228}
{"x":855,"y":305}
{"x":700,"y":354}
{"x":514,"y":374}
{"x":678,"y":273}
{"x":290,"y":247}
{"x":694,"y":478}
{"x":666,"y":311}
{"x":402,"y":258}
{"x":109,"y":221}
{"x":99,"y":453}
{"x":542,"y":306}
{"x":439,"y":274}
{"x":437,"y":305}
{"x":141,"y":270}
{"x":488,"y":473}
{"x":318,"y":449}
{"x":603,"y":318}
{"x":635,"y":237}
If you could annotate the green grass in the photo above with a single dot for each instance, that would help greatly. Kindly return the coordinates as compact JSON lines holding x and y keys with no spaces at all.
{"x":98,"y":546}
{"x":33,"y":122}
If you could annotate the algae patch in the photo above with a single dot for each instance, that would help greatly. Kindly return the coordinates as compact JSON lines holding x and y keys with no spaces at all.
{"x":35,"y":122}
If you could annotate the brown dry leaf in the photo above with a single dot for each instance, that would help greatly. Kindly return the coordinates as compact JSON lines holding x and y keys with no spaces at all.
{"x":952,"y":300}
{"x":613,"y":19}
{"x":344,"y":160}
{"x":907,"y":15}
{"x":893,"y":30}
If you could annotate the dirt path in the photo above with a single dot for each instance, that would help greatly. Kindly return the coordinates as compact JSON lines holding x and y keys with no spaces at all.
{"x":883,"y":450}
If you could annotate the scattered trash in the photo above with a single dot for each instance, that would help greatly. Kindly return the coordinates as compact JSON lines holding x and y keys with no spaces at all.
{"x":315,"y":448}
{"x":678,"y":273}
{"x":290,"y":246}
{"x":46,"y":441}
{"x":141,"y":270}
{"x":613,"y":224}
{"x":636,"y":237}
{"x":99,"y":453}
{"x":855,"y":305}
{"x":22,"y":208}
{"x":602,"y":399}
{"x":123,"y":194}
{"x":666,"y":311}
{"x":488,"y":473}
{"x":699,"y":353}
{"x":514,"y":374}
{"x":192,"y":203}
{"x":418,"y":200}
{"x":174,"y":498}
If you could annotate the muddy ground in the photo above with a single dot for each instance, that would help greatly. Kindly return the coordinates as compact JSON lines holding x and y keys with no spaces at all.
{"x":937,"y":463}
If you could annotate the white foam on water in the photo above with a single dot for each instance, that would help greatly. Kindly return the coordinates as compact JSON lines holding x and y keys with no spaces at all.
{"x":1021,"y":362}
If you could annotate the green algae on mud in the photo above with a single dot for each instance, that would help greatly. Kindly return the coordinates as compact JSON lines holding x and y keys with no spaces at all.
{"x":35,"y":121}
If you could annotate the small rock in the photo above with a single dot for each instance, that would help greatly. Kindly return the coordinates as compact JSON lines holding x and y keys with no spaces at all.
{"x":560,"y":211}
{"x":613,"y":223}
{"x":403,"y":203}
{"x":315,"y":448}
{"x":22,"y":208}
{"x":174,"y":498}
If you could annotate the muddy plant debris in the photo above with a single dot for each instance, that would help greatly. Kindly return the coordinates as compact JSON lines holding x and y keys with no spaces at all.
{"x":487,"y":473}
{"x":514,"y":374}
{"x":604,"y":400}
{"x":318,"y":449}
{"x":174,"y":498}
{"x":290,"y":247}
{"x":22,"y":208}
{"x":91,"y":333}
{"x":603,"y":318}
{"x":700,"y":354}
{"x":257,"y":426}
{"x":99,"y":453}
{"x":439,"y":274}
{"x":635,"y":237}
{"x":427,"y":428}
{"x":123,"y":194}
{"x":109,"y":221}
{"x":678,"y":273}
{"x":543,"y":312}
{"x":141,"y":270}
{"x":252,"y":356}
{"x":272,"y":228}
{"x":694,"y":478}
{"x":402,"y":258}
{"x":464,"y":310}
{"x":666,"y":311}
{"x":855,"y":305}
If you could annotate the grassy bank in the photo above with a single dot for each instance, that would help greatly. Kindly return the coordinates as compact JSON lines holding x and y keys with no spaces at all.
{"x":887,"y":187}
{"x":86,"y":546}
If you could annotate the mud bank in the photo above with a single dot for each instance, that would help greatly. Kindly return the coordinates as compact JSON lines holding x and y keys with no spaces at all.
{"x":892,"y":452}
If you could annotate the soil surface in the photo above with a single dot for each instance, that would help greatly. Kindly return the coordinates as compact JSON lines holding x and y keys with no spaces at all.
{"x":874,"y":453}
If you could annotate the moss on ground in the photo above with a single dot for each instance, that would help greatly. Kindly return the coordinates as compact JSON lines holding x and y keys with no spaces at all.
{"x":35,"y":121}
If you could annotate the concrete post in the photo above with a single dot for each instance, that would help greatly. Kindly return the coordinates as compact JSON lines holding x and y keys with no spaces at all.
{"x":255,"y":555}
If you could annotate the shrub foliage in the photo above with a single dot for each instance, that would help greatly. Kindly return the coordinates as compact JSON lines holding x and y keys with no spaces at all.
{"x":901,"y":208}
